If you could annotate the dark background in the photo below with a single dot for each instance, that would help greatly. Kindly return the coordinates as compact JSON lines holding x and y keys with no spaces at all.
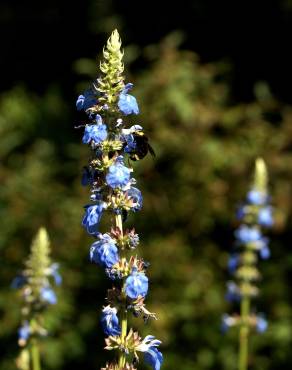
{"x":213,"y":84}
{"x":41,"y":40}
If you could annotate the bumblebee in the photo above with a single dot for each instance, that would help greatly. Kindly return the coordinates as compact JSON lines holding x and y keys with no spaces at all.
{"x":142,"y":146}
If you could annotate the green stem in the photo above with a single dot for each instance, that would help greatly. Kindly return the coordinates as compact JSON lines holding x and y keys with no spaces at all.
{"x":35,"y":355}
{"x":243,"y":334}
{"x":122,"y":356}
{"x":123,"y":311}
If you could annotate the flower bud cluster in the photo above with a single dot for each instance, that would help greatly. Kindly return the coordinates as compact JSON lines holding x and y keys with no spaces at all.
{"x":108,"y":109}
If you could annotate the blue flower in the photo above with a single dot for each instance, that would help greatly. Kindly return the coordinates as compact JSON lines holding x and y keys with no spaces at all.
{"x":118,"y":174}
{"x":227,"y":322}
{"x":54,"y":271}
{"x":152,"y":356}
{"x":129,"y":139}
{"x":110,"y":322}
{"x":128,"y":103}
{"x":240,"y":212}
{"x":265,"y":252}
{"x":256,"y":197}
{"x":96,"y":132}
{"x":265,"y":216}
{"x":137,"y":198}
{"x":233,"y":262}
{"x":24,"y":332}
{"x":246,"y":234}
{"x":104,"y":252}
{"x":262,"y":324}
{"x":18,"y":282}
{"x":131,"y":144}
{"x":92,"y":217}
{"x":48,"y":295}
{"x":136,"y":284}
{"x":86,"y":101}
{"x":233,"y":293}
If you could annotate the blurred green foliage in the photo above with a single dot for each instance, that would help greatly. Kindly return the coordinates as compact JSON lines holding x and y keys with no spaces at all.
{"x":205,"y":146}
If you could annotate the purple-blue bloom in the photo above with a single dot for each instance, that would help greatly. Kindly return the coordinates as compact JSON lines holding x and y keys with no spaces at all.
{"x":92,"y":217}
{"x":256,"y":197}
{"x":55,"y":273}
{"x":226,"y":322}
{"x":246,"y":234}
{"x":265,"y":216}
{"x":127,"y":103}
{"x":86,"y":101}
{"x":104,"y":252}
{"x":110,"y":322}
{"x":265,"y":252}
{"x":136,"y":284}
{"x":18,"y":282}
{"x":137,"y":198}
{"x":262,"y":324}
{"x":153,"y":357}
{"x":48,"y":295}
{"x":233,"y":262}
{"x":118,"y":174}
{"x":130,"y":143}
{"x":96,"y":132}
{"x":232,"y":294}
{"x":24,"y":332}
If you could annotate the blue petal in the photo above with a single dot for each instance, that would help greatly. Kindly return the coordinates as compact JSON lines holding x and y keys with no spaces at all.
{"x":118,"y":175}
{"x":153,"y":358}
{"x":48,"y":295}
{"x":136,"y":285}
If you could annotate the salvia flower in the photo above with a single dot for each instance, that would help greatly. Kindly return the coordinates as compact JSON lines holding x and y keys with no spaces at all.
{"x":54,"y":271}
{"x":257,"y":197}
{"x":227,"y":322}
{"x":23,"y":333}
{"x":48,"y":295}
{"x":118,"y":175}
{"x":86,"y":100}
{"x":104,"y":252}
{"x":127,"y":103}
{"x":152,"y":355}
{"x":265,"y":216}
{"x":94,"y":133}
{"x":115,"y":142}
{"x":261,"y":324}
{"x":136,"y":195}
{"x":136,"y":284}
{"x":110,"y":321}
{"x":92,"y":217}
{"x":233,"y":262}
{"x":247,"y":234}
{"x":255,"y":216}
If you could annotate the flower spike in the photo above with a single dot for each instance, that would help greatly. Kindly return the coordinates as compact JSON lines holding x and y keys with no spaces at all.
{"x":114,"y":143}
{"x":251,"y":245}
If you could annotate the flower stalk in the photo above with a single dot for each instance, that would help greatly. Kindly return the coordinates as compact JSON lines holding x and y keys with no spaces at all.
{"x":35,"y":355}
{"x":243,"y":334}
{"x":114,"y":143}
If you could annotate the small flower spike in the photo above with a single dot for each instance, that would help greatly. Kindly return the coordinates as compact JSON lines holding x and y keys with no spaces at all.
{"x":255,"y":216}
{"x":35,"y":285}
